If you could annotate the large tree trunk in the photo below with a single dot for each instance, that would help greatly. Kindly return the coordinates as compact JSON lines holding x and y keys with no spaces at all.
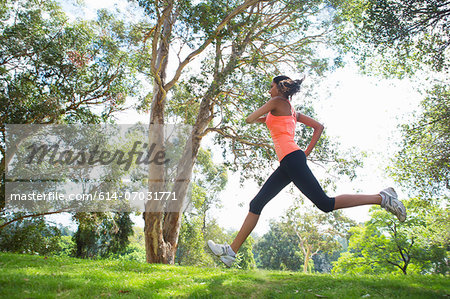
{"x":162,"y":225}
{"x":157,"y":250}
{"x":162,"y":228}
{"x":172,"y":220}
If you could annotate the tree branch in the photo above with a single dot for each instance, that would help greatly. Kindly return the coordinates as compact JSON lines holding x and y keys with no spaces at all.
{"x":208,"y":41}
{"x":29,"y":216}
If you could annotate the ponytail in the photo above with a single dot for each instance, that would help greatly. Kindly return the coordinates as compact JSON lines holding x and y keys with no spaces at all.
{"x":287,"y":86}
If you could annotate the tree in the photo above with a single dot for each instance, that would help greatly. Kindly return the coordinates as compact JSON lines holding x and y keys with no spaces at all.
{"x":161,"y":229}
{"x":401,"y":38}
{"x":191,"y":249}
{"x":135,"y":250}
{"x":323,"y":261}
{"x":30,"y":236}
{"x":116,"y":233}
{"x":422,"y":165}
{"x":209,"y":180}
{"x":101,"y":234}
{"x":242,"y":43}
{"x":66,"y":246}
{"x":383,"y":245}
{"x":54,"y":71}
{"x":397,"y":37}
{"x":317,"y":231}
{"x":278,"y":249}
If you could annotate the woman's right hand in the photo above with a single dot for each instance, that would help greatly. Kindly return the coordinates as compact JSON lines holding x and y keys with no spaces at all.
{"x":261,"y":120}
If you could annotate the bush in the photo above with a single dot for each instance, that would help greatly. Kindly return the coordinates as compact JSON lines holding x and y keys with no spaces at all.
{"x":32,"y":235}
{"x":133,"y":252}
{"x":67,"y":246}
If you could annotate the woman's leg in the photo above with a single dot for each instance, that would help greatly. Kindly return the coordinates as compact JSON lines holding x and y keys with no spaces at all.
{"x":247,"y":227}
{"x":354,"y":200}
{"x":274,"y":184}
{"x":341,"y":201}
{"x":294,"y":164}
{"x":304,"y":179}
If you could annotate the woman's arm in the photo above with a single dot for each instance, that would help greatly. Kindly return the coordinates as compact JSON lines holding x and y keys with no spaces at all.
{"x":318,"y":128}
{"x":260,"y":120}
{"x":264,"y":109}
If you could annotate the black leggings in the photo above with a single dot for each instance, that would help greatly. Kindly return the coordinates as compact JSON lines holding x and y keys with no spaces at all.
{"x":293,"y":168}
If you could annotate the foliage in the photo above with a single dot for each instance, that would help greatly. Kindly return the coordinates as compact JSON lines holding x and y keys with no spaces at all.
{"x":283,"y":35}
{"x":87,"y":234}
{"x":214,"y":232}
{"x":278,"y":249}
{"x":322,"y":262}
{"x":191,"y":247}
{"x":133,"y":252}
{"x":317,"y":231}
{"x":56,"y":71}
{"x":33,"y":236}
{"x":115,"y":234}
{"x":53,"y":70}
{"x":383,"y":245}
{"x":396,"y":37}
{"x":209,"y":179}
{"x":66,"y":245}
{"x":245,"y":258}
{"x":197,"y":226}
{"x":101,"y":234}
{"x":422,"y":166}
{"x":137,"y":237}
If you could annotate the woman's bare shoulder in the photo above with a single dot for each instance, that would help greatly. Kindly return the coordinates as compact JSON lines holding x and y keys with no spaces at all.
{"x":281,"y":106}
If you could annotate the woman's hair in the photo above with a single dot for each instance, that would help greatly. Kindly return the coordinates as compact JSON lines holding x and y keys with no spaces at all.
{"x":287,"y":86}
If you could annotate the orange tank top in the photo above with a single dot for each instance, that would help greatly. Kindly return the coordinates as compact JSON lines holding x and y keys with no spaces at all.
{"x":282,"y":130}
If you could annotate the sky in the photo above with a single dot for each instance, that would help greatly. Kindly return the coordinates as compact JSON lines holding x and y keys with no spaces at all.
{"x":360,"y":112}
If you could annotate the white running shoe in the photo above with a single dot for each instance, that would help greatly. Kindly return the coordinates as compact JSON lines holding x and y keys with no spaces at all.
{"x":391,"y":203}
{"x":224,"y":252}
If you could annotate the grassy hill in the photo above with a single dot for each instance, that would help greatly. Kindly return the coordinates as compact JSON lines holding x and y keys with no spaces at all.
{"x":27,"y":276}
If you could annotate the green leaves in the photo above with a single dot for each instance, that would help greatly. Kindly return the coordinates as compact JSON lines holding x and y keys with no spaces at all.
{"x":383,"y":245}
{"x":278,"y":249}
{"x":30,"y":236}
{"x":53,"y":69}
{"x":101,"y":234}
{"x":397,"y":38}
{"x":422,"y":165}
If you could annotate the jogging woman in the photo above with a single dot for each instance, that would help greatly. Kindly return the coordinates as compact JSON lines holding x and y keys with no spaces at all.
{"x":281,"y":120}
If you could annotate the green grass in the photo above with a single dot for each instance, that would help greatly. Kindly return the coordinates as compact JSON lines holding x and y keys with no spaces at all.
{"x":28,"y":276}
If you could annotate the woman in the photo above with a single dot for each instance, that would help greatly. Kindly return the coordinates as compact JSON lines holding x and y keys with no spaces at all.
{"x":281,"y":120}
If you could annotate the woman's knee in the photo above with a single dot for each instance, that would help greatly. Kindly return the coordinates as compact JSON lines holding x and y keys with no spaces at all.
{"x":256,"y":206}
{"x":325,"y":204}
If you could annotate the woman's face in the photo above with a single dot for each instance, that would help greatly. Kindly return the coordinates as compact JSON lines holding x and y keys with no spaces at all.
{"x":274,"y":90}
